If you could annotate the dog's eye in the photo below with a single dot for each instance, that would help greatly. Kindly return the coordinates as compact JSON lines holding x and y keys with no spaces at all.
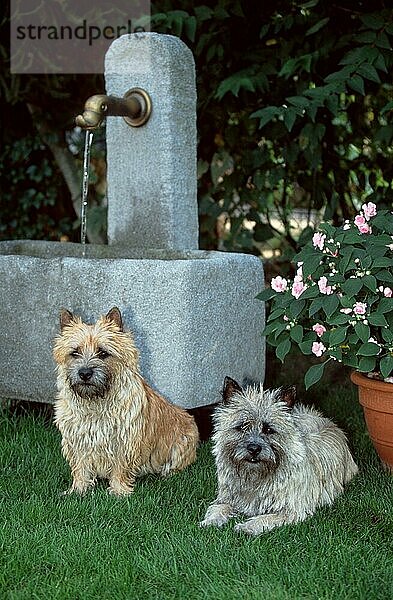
{"x":242,"y":426}
{"x":74,"y":354}
{"x":267,"y":429}
{"x":101,"y":353}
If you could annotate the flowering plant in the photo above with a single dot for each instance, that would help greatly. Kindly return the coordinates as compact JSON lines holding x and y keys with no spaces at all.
{"x":339,"y":305}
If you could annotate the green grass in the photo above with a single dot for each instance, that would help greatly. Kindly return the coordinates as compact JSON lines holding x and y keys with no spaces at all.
{"x":150,"y":546}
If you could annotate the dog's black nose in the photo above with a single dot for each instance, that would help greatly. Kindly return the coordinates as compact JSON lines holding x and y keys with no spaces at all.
{"x":253,"y":448}
{"x":85,"y":373}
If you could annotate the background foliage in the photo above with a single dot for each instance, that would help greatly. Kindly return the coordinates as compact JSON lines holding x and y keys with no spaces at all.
{"x":294,"y":112}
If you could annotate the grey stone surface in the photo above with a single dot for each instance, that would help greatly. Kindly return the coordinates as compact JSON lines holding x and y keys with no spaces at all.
{"x":194,"y":314}
{"x":152,"y":180}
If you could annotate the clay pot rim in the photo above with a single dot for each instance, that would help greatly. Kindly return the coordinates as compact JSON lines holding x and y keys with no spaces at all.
{"x":375,"y":384}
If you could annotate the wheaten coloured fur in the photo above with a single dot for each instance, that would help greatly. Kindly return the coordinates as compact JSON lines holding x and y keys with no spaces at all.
{"x":113,"y":425}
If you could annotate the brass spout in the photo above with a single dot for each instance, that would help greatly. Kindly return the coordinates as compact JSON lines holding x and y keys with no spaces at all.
{"x":134,"y":107}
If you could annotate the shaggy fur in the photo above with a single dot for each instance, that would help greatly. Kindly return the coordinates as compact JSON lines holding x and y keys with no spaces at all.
{"x":113,"y":425}
{"x":276,"y":463}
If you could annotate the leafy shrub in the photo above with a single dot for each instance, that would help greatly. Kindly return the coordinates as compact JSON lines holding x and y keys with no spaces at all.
{"x":33,"y":199}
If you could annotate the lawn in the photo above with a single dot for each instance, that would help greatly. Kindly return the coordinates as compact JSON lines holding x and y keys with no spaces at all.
{"x":150,"y":546}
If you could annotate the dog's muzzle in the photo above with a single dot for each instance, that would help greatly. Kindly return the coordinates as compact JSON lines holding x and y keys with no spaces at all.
{"x":259,"y":451}
{"x":89,"y":383}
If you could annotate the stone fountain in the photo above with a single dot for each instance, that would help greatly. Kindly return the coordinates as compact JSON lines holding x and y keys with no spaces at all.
{"x":193,"y":313}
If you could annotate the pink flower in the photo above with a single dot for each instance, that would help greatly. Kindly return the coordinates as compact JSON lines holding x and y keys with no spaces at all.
{"x":318,"y":240}
{"x":370,"y":210}
{"x":364,"y":228}
{"x":323,"y":287}
{"x":359,"y":308}
{"x":279,"y":284}
{"x":298,"y":287}
{"x":318,"y":348}
{"x":319,"y":329}
{"x":359,"y":220}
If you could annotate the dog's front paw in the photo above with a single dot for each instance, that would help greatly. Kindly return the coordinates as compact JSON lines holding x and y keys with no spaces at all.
{"x":120,"y":488}
{"x":217,"y":515}
{"x":260,"y":523}
{"x":217,"y":521}
{"x":249,"y":527}
{"x":79,"y":490}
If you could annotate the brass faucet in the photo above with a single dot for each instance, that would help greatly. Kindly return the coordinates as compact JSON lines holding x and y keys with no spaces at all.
{"x":135,"y":107}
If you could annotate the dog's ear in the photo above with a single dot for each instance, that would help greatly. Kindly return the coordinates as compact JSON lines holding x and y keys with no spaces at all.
{"x":230,"y":388}
{"x":66,"y":317}
{"x":114,"y":315}
{"x":287,"y":394}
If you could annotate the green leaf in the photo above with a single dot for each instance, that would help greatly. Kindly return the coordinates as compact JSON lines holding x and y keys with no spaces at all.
{"x":296,"y":307}
{"x":377,"y":319}
{"x":270,"y":328}
{"x":305,"y":346}
{"x":385,"y":305}
{"x":369,"y":72}
{"x":235,"y":83}
{"x":368,"y":349}
{"x":265,"y":115}
{"x":276,"y":313}
{"x":341,"y":75}
{"x":367,"y":37}
{"x":282,"y":349}
{"x":296,"y":333}
{"x":203,"y":13}
{"x":310,"y":292}
{"x":314,"y":374}
{"x":317,"y":26}
{"x":382,"y":261}
{"x":289,"y":118}
{"x":362,"y":331}
{"x":387,"y":335}
{"x":266,"y":294}
{"x":385,"y":276}
{"x":388,"y":107}
{"x":339,"y":319}
{"x":337,"y":336}
{"x":382,"y":41}
{"x":330,"y":304}
{"x":336,"y":353}
{"x":367,"y":364}
{"x":315,"y":306}
{"x":386,"y":365}
{"x":370,"y":282}
{"x":311,"y":265}
{"x":298,"y":101}
{"x":356,"y":83}
{"x":373,"y":21}
{"x":352,"y":286}
{"x":190,"y":26}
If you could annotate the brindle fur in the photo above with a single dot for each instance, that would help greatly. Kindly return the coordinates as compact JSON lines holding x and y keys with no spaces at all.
{"x":276,"y":462}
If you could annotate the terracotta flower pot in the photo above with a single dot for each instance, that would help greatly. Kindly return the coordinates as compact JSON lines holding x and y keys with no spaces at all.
{"x":376,"y":397}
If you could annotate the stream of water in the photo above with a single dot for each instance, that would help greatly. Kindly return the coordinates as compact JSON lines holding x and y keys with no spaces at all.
{"x":85,"y":188}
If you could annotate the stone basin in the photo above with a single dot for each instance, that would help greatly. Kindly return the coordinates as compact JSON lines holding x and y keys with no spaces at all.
{"x":193,"y":314}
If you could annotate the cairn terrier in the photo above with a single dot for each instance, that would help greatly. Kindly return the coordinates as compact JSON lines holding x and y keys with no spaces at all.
{"x":113,"y":425}
{"x":276,"y":462}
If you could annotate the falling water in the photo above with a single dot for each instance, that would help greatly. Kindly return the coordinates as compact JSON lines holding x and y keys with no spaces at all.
{"x":85,"y":187}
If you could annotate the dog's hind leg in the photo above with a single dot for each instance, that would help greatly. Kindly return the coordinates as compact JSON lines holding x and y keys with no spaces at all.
{"x":181,"y":455}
